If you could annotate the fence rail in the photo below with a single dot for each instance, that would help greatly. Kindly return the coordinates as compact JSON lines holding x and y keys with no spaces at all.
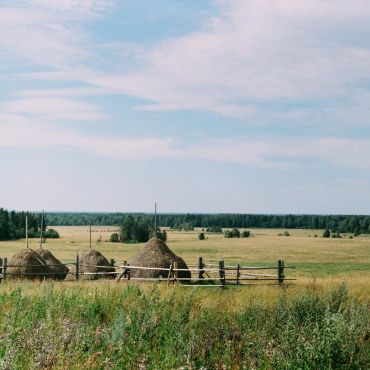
{"x":202,"y":274}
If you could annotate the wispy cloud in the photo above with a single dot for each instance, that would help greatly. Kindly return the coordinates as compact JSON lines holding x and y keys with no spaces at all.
{"x":53,"y":109}
{"x":254,"y":58}
{"x":257,"y":60}
{"x":16,"y":132}
{"x":259,"y":152}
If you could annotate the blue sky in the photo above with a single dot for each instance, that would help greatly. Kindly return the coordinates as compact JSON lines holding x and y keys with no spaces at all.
{"x":201,"y":106}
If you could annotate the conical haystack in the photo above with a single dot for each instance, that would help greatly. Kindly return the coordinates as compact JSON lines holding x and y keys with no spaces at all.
{"x":92,"y":261}
{"x":156,"y":254}
{"x":27,"y":264}
{"x":55,"y":266}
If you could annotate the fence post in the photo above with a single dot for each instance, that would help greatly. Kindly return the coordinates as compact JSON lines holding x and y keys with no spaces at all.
{"x":123,"y":273}
{"x":128,"y":273}
{"x":280,"y":272}
{"x":221,"y":273}
{"x":200,"y":267}
{"x":77,"y":266}
{"x":169,"y":276}
{"x":238,"y":274}
{"x":176,"y":273}
{"x":5,"y":264}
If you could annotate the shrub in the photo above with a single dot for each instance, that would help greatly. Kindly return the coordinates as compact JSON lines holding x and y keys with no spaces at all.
{"x":286,"y":233}
{"x":114,"y":238}
{"x":214,"y":229}
{"x":246,"y":234}
{"x":234,"y":233}
{"x":51,"y":234}
{"x":326,"y":234}
{"x":201,"y":236}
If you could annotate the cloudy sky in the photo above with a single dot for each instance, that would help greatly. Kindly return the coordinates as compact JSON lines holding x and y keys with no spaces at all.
{"x":201,"y":105}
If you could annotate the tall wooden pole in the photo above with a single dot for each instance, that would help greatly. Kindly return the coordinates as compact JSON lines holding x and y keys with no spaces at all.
{"x":90,"y":236}
{"x":41,"y":228}
{"x":155,"y":219}
{"x":27,"y":230}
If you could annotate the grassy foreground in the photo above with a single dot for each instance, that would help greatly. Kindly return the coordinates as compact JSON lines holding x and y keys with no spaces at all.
{"x":111,"y":326}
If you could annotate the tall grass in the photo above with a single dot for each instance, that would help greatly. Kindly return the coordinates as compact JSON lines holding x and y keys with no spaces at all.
{"x":133,"y":328}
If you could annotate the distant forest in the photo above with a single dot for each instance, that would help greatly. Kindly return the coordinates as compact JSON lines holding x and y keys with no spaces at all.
{"x":335,"y":223}
{"x":13,"y":224}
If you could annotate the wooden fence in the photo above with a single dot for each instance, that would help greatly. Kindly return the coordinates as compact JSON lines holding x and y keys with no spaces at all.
{"x":204,"y":275}
{"x":219,"y":275}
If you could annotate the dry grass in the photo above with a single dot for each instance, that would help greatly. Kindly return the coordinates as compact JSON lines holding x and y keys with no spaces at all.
{"x":327,"y":261}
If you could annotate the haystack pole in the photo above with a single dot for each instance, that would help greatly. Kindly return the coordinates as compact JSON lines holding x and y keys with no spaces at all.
{"x":41,"y":228}
{"x":27,"y":231}
{"x":90,"y":237}
{"x":155,"y":219}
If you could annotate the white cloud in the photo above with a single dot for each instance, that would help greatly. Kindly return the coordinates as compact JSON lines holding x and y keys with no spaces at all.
{"x":82,"y":6}
{"x":18,"y":132}
{"x":260,"y":60}
{"x":53,"y":109}
{"x":261,"y":152}
{"x":254,"y":56}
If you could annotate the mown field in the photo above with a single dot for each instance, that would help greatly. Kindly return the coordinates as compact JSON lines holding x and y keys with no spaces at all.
{"x":327,"y":261}
{"x":320,"y":322}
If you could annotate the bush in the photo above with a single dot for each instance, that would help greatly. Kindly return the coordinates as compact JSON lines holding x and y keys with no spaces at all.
{"x":234,"y":233}
{"x":114,"y":238}
{"x":201,"y":236}
{"x":51,"y":234}
{"x":286,"y":233}
{"x":214,"y":229}
{"x":246,"y":234}
{"x":326,"y":234}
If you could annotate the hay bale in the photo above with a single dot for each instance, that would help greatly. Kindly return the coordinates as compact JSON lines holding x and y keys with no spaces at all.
{"x":28,"y":265}
{"x":157,"y":254}
{"x":55,"y":266}
{"x":89,"y":261}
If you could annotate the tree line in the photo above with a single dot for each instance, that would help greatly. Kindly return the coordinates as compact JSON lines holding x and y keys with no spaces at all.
{"x":13,"y":225}
{"x":358,"y":224}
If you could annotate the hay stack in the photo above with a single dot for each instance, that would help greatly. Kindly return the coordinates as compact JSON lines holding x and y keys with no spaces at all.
{"x":88,"y":262}
{"x":30,"y":265}
{"x":60,"y":271}
{"x":156,"y":254}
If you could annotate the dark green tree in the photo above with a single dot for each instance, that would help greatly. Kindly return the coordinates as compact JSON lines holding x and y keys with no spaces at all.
{"x":134,"y":230}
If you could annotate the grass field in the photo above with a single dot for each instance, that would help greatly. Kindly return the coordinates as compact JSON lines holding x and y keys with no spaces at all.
{"x":327,"y":261}
{"x":316,"y":323}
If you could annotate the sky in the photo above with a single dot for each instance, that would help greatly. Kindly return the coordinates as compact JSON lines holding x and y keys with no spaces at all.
{"x":199,"y":105}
